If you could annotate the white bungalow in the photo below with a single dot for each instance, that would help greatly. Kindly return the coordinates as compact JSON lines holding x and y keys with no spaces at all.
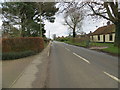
{"x":103,"y":34}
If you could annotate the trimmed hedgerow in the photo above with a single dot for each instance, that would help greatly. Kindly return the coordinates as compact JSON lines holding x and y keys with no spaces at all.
{"x":14,"y":48}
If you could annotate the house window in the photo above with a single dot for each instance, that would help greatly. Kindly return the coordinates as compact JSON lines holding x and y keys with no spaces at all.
{"x":110,"y":37}
{"x":98,"y":37}
{"x":103,"y":38}
{"x":92,"y":37}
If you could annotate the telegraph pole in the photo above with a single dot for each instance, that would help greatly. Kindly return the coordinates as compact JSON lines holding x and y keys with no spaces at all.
{"x":49,"y":34}
{"x":40,"y":10}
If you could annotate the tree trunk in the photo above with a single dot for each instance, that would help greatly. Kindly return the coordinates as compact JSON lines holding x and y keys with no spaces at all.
{"x":23,"y":31}
{"x":117,"y":34}
{"x":74,"y":34}
{"x":22,"y":27}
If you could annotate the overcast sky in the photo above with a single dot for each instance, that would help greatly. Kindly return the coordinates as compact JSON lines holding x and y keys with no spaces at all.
{"x":90,"y":24}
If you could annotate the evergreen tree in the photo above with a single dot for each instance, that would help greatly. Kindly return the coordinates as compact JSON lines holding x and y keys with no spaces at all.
{"x":27,"y":15}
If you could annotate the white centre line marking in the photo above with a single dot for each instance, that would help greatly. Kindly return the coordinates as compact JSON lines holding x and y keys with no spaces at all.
{"x":81,"y":58}
{"x":113,"y":77}
{"x":67,"y":49}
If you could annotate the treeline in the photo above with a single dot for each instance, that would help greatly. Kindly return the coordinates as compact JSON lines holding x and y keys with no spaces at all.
{"x":26,"y":19}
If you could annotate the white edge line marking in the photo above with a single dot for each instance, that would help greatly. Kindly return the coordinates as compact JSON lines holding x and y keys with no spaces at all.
{"x":81,"y":58}
{"x":113,"y":77}
{"x":67,"y":49}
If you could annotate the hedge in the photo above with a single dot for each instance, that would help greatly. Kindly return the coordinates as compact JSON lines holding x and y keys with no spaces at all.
{"x":13,"y":48}
{"x":17,"y":55}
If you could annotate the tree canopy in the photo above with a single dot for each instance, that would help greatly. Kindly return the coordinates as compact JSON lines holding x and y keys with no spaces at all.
{"x":27,"y":15}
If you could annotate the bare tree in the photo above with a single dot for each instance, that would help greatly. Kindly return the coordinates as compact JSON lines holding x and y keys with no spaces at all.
{"x":73,"y":17}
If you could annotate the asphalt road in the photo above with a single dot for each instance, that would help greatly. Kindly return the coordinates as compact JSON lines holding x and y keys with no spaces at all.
{"x":77,"y":67}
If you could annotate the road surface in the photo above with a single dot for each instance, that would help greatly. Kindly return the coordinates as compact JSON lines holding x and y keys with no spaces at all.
{"x":77,"y":67}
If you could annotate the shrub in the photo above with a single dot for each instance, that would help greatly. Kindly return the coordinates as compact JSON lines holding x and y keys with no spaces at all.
{"x":46,"y":40}
{"x":16,"y":55}
{"x":62,"y":39}
{"x":13,"y":48}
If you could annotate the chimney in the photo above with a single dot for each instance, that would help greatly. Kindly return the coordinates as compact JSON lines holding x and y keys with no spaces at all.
{"x":108,"y":23}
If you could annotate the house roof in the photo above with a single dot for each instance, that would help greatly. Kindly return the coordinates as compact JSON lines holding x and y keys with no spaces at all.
{"x":104,"y":30}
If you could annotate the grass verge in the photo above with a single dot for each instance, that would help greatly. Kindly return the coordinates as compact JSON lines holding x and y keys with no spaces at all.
{"x":111,"y":49}
{"x":83,"y":44}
